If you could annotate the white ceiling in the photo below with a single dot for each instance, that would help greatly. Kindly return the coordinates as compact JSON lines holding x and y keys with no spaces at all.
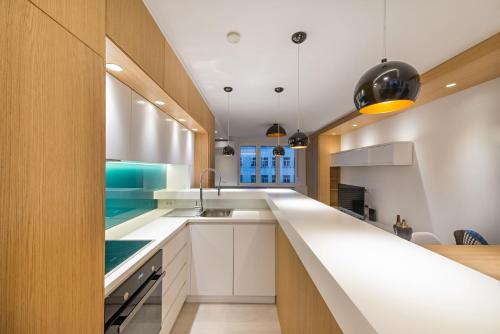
{"x":345,"y":38}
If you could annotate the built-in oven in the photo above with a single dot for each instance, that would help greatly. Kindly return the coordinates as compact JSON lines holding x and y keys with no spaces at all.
{"x":135,"y":306}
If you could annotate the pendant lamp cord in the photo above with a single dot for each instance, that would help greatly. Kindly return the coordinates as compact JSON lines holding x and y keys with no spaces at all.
{"x":385,"y":29}
{"x":279,"y":110}
{"x":298,"y":87}
{"x":228,"y":108}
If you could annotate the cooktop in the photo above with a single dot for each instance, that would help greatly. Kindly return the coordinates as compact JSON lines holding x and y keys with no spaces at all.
{"x":118,"y":251}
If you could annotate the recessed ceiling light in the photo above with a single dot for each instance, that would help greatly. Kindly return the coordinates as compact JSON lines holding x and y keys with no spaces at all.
{"x":160,"y":103}
{"x":182,"y":120}
{"x":334,"y":133}
{"x":168,"y":120}
{"x":233,"y":37}
{"x":355,"y":125}
{"x":451,"y":84}
{"x":194,"y":130}
{"x":141,"y":102}
{"x":114,"y":67}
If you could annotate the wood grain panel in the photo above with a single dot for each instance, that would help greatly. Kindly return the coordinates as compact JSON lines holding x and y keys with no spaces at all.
{"x":312,"y":167}
{"x":301,"y":309}
{"x":485,"y":259}
{"x":83,"y":18}
{"x":131,"y":27}
{"x":196,"y":105}
{"x":327,"y":144}
{"x":474,"y":66}
{"x":175,"y":80}
{"x":52,"y":176}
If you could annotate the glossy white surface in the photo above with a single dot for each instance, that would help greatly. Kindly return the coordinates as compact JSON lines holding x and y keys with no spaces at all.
{"x":373,"y":281}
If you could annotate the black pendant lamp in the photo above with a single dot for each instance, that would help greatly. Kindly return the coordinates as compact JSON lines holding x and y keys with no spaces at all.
{"x":279,"y":151}
{"x":387,"y":87}
{"x":275,"y":131}
{"x":298,"y":139}
{"x":228,"y":150}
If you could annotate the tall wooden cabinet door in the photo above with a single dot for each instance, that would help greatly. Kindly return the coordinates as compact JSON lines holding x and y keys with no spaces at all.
{"x":175,"y":80}
{"x":211,"y":260}
{"x":131,"y":27}
{"x":118,"y":119}
{"x":52,"y":157}
{"x":254,"y":259}
{"x":83,"y":18}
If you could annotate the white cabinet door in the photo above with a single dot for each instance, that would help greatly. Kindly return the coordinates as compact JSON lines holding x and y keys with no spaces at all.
{"x":146,"y":131}
{"x":118,"y":118}
{"x":381,"y":155}
{"x":254,"y":259}
{"x":211,"y":260}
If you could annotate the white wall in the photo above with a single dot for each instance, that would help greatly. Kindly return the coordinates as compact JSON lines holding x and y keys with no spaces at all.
{"x":455,"y":180}
{"x":229,"y":166}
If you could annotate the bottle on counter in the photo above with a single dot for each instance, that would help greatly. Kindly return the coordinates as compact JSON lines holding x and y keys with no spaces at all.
{"x":402,"y":229}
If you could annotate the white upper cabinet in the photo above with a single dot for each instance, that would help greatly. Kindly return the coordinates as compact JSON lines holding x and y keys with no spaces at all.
{"x":146,"y":142}
{"x":118,"y":117}
{"x":390,"y":154}
{"x":138,"y":131}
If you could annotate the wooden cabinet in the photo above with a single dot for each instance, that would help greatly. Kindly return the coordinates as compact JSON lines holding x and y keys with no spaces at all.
{"x":52,"y":148}
{"x":118,"y":119}
{"x":83,"y":18}
{"x":211,"y":260}
{"x":254,"y":259}
{"x":175,"y":80}
{"x":131,"y":27}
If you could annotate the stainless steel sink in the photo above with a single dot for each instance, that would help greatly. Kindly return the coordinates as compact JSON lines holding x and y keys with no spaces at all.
{"x":216,"y":213}
{"x":183,"y":213}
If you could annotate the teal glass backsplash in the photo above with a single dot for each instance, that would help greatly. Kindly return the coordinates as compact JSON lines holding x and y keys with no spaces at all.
{"x":129,"y":189}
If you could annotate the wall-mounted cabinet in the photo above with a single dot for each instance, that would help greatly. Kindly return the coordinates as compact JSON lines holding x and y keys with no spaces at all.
{"x":131,"y":27}
{"x":136,"y":130}
{"x":390,"y":154}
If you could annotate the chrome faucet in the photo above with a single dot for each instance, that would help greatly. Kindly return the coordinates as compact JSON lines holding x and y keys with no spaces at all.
{"x":201,"y":185}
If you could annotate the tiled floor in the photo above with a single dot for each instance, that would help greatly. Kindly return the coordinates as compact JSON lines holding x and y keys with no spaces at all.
{"x":227,"y":319}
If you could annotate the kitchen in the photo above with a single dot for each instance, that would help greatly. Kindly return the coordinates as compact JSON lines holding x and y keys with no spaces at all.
{"x":113,"y":149}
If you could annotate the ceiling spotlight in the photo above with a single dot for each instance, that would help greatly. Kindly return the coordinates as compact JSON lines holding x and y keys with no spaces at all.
{"x":355,"y":125}
{"x":114,"y":67}
{"x":160,"y":103}
{"x":334,"y":133}
{"x":168,"y":120}
{"x":233,"y":37}
{"x":182,"y":120}
{"x":141,"y":102}
{"x":452,"y":84}
{"x":194,"y":130}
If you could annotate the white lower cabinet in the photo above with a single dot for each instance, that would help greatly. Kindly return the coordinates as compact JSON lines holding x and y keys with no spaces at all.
{"x":254,"y":259}
{"x":211,"y":259}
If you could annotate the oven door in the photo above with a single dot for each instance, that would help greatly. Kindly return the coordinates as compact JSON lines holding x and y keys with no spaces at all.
{"x":142,"y":313}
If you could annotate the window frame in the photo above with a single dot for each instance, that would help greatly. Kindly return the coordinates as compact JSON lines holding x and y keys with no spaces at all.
{"x":258,"y":182}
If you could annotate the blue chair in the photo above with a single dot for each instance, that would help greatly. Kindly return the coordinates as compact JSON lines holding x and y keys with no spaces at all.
{"x":469,"y":237}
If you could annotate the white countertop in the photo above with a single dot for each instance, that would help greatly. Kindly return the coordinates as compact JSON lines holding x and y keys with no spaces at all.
{"x":151,"y":226}
{"x":374,"y":281}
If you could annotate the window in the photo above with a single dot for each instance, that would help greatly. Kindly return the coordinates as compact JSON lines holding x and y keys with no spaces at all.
{"x":267,"y":171}
{"x":287,"y":168}
{"x":248,"y":171}
{"x":269,"y":166}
